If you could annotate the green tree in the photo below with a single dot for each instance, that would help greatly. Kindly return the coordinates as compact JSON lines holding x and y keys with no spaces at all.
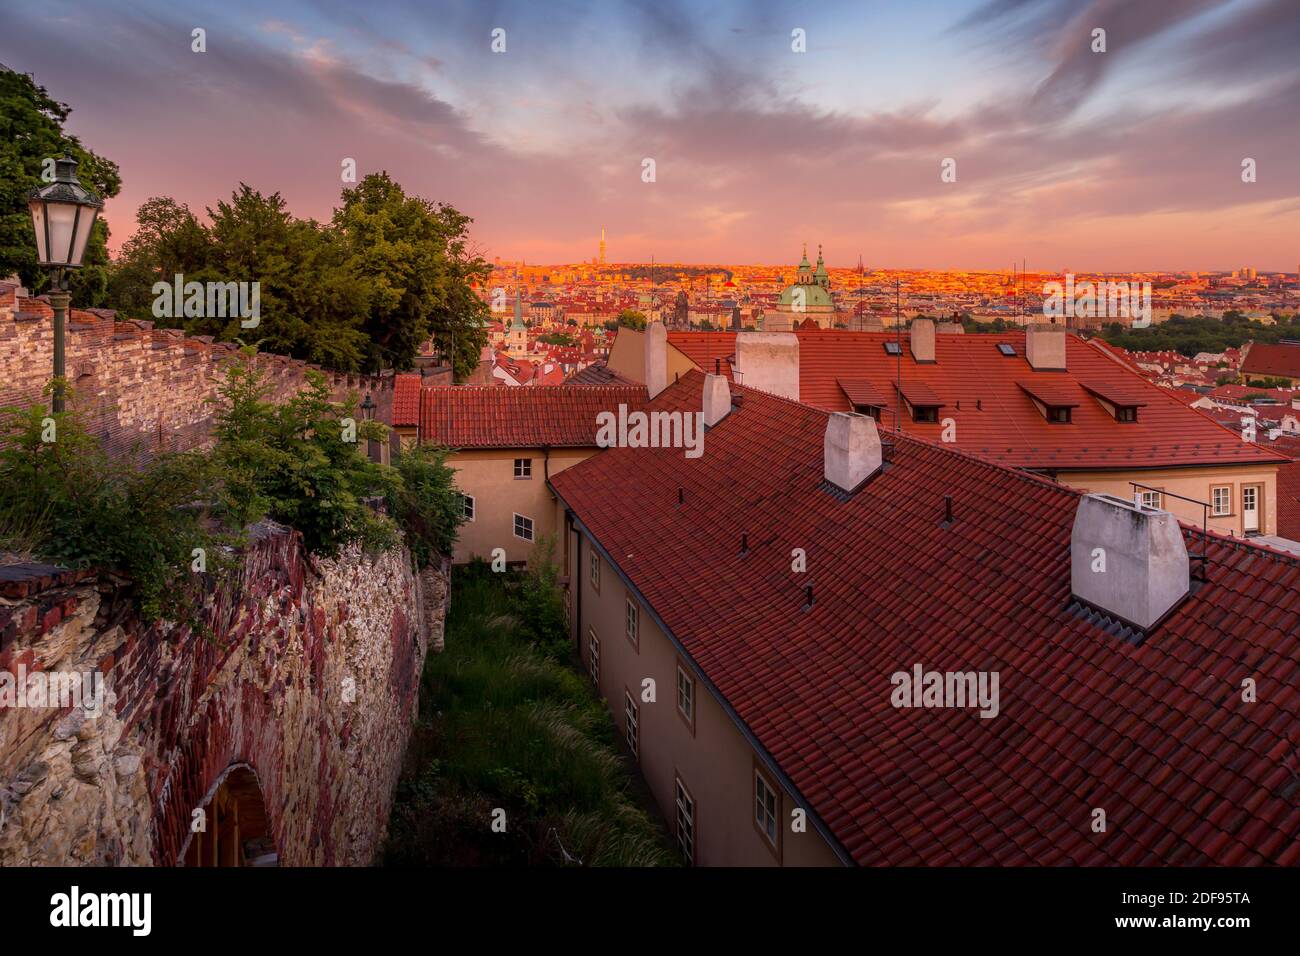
{"x":630,"y":318}
{"x":31,"y":132}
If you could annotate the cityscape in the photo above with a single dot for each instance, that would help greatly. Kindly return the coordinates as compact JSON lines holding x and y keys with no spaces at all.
{"x":468,"y":442}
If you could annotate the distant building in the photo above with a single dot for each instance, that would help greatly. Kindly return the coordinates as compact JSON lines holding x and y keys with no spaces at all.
{"x":808,"y":297}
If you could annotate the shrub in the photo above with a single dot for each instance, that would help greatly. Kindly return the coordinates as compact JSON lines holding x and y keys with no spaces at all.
{"x":426,"y":503}
{"x":64,"y":499}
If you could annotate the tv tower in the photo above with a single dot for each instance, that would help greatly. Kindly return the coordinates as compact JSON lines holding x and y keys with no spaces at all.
{"x":601,"y":259}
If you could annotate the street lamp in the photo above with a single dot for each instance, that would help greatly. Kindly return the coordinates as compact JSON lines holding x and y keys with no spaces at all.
{"x":368,"y":408}
{"x":63,"y":215}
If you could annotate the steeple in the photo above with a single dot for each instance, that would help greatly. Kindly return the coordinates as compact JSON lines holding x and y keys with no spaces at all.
{"x":821,"y":276}
{"x":518,"y":323}
{"x":804,"y":265}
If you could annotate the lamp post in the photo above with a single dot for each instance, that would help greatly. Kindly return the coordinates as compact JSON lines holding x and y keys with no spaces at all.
{"x":63,"y":215}
{"x":368,"y":413}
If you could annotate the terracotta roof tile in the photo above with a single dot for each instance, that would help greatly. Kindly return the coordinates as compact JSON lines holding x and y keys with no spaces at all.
{"x":1153,"y":732}
{"x":533,"y":416}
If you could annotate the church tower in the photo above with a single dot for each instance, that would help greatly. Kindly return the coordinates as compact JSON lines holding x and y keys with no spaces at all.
{"x":517,"y":336}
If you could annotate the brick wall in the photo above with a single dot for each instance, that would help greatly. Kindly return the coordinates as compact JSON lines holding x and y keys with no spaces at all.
{"x":264,"y":688}
{"x":137,"y":385}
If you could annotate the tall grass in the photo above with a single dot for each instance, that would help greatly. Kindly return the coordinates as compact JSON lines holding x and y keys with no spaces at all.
{"x":506,"y":723}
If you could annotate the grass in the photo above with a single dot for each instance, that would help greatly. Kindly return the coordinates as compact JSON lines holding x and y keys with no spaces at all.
{"x":505,"y":722}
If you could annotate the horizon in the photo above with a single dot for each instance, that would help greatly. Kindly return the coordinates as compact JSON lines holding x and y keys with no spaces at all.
{"x":1132,"y":155}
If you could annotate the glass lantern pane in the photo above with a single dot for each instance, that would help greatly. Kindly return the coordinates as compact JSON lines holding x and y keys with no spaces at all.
{"x":61,"y":216}
{"x":38,"y":223}
{"x":84,"y":226}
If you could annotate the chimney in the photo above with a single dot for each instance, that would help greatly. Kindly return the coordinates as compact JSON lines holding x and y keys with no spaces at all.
{"x":656,"y":358}
{"x":768,"y":361}
{"x":1127,"y":560}
{"x":1045,"y":348}
{"x":851,"y":449}
{"x":717,"y":399}
{"x":923,"y":340}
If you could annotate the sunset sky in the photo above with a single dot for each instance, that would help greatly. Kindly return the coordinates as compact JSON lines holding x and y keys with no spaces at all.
{"x":1127,"y":160}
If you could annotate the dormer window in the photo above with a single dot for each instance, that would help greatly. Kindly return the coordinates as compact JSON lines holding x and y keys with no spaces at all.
{"x":863,"y":396}
{"x":1121,"y":402}
{"x":925,"y":414}
{"x":922,"y":402}
{"x":1055,"y":401}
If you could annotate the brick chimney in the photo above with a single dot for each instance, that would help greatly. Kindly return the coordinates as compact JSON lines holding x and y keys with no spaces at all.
{"x":1045,"y":347}
{"x":923,"y":340}
{"x":768,"y":361}
{"x":851,"y":450}
{"x":1127,"y":560}
{"x":656,"y":358}
{"x":717,"y":399}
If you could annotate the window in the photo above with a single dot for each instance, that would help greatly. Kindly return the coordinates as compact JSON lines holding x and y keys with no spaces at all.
{"x":685,"y":820}
{"x":595,"y":571}
{"x":872,"y":411}
{"x":631,"y":728}
{"x":1007,"y":349}
{"x":765,"y":808}
{"x":523,"y":527}
{"x":467,"y":506}
{"x":1058,"y":414}
{"x":685,"y":695}
{"x":1151,"y":499}
{"x":1126,"y":413}
{"x":925,"y":413}
{"x":893,"y":348}
{"x":1221,"y":500}
{"x":632,"y":620}
{"x":593,"y":657}
{"x":523,"y":468}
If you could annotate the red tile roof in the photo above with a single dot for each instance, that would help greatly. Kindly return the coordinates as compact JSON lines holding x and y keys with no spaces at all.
{"x":1154,"y":733}
{"x":1282,"y":359}
{"x":406,"y":399}
{"x":1054,"y":393}
{"x":861,"y":392}
{"x":997,"y":420}
{"x":1288,"y":500}
{"x":490,"y":416}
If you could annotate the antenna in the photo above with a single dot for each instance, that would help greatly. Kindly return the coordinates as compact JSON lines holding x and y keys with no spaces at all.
{"x":898,"y":338}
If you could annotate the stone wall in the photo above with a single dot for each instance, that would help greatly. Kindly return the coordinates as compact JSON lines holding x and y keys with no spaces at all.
{"x":270,"y":687}
{"x":137,"y":386}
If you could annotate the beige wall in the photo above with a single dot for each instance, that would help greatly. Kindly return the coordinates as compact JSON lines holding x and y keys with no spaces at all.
{"x":1191,"y":483}
{"x":488,"y":477}
{"x":627,"y":357}
{"x":712,"y":758}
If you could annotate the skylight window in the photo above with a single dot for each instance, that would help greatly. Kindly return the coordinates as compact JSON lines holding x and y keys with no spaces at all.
{"x":893,"y":348}
{"x":1006,"y":348}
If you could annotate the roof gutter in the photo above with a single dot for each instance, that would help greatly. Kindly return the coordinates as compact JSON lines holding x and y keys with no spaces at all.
{"x":763,"y":754}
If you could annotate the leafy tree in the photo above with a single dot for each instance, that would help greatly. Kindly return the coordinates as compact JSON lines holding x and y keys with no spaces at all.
{"x":630,"y":318}
{"x":293,"y":462}
{"x":31,"y":131}
{"x":426,"y":503}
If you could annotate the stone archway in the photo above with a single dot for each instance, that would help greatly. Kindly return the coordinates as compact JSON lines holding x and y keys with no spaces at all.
{"x":236,"y":831}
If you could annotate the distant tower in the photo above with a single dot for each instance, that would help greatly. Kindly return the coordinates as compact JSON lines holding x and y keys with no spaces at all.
{"x":602,"y":245}
{"x":517,"y":335}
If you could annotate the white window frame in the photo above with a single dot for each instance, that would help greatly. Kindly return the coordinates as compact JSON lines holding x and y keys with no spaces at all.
{"x":684,"y":680}
{"x":766,"y":818}
{"x":632,"y":724}
{"x":593,"y":656}
{"x":1148,"y":496}
{"x":468,"y":507}
{"x":1227,"y":500}
{"x":594,"y":572}
{"x":684,"y":804}
{"x":632,"y":622}
{"x":532,"y":528}
{"x":523,"y":469}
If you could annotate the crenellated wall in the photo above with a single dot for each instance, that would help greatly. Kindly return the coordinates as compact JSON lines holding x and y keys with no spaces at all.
{"x":137,"y":385}
{"x":308,"y":676}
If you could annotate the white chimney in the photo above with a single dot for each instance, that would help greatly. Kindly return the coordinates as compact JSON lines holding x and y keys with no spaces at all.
{"x":1247,"y":428}
{"x":768,"y":361}
{"x":717,"y":399}
{"x":656,"y":358}
{"x":851,"y":449}
{"x":1045,"y":347}
{"x":1127,"y":560}
{"x":922,"y":340}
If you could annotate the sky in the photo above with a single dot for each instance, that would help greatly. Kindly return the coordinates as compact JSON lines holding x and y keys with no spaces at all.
{"x":1128,"y":159}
